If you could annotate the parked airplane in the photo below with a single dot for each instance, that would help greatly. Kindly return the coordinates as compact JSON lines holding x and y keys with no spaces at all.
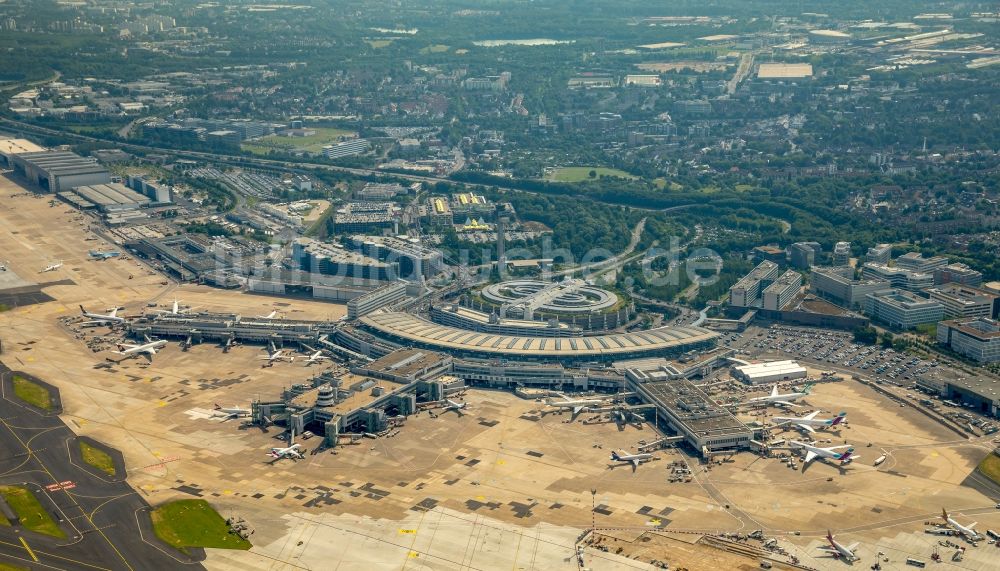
{"x":231,"y":412}
{"x":458,"y":407}
{"x":813,"y":452}
{"x":101,"y":319}
{"x":808,"y":421}
{"x":965,"y":531}
{"x":98,"y":255}
{"x":148,"y":348}
{"x":779,"y":399}
{"x":292,"y":451}
{"x":279,"y":355}
{"x":51,"y":267}
{"x":175,"y":309}
{"x":634,"y":459}
{"x":577,"y":405}
{"x":839,"y":550}
{"x":317,"y":357}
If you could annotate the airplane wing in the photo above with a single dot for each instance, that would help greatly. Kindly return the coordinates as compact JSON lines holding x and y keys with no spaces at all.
{"x":577,"y":409}
{"x":810,"y":456}
{"x":811,"y":415}
{"x":774,"y":391}
{"x":785,"y":403}
{"x":970,"y":526}
{"x":806,"y":427}
{"x":838,"y":447}
{"x":635,"y":463}
{"x":827,"y":549}
{"x":853,"y":547}
{"x":114,"y":313}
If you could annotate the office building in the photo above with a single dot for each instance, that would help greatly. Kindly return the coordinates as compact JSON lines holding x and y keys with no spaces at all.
{"x":380,"y":297}
{"x":916,"y":262}
{"x":978,"y":339}
{"x":803,"y":255}
{"x":898,"y":277}
{"x":415,"y":260}
{"x":439,"y":213}
{"x":902,"y":310}
{"x":155,"y":191}
{"x":770,"y":253}
{"x":783,"y":290}
{"x":746,"y":292}
{"x":879,"y":254}
{"x":346,"y":149}
{"x":959,"y":274}
{"x":842,"y":254}
{"x":334,"y":260}
{"x":839,"y":286}
{"x":965,"y":302}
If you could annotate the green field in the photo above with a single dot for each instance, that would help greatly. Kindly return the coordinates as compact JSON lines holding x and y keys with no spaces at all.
{"x":435,"y":49}
{"x":990,"y":467}
{"x":193,"y":523}
{"x":31,"y":513}
{"x":311,"y":144}
{"x":32,"y":393}
{"x":578,"y":174}
{"x":97,"y":458}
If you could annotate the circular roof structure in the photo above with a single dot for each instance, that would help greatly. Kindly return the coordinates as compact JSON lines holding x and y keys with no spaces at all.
{"x":568,"y":296}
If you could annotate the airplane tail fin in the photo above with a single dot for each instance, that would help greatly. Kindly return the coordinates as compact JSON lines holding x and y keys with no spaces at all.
{"x":82,"y":310}
{"x":806,"y":389}
{"x":217,"y":407}
{"x":838,"y":419}
{"x":944,"y":514}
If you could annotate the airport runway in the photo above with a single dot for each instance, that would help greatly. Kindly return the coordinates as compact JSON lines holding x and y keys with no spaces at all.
{"x":104,"y":519}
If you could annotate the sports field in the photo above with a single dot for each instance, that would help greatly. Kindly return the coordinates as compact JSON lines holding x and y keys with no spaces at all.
{"x":311,"y":144}
{"x":579,"y":174}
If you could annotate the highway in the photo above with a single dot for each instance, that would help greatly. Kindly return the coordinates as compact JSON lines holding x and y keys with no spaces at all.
{"x":257,"y":162}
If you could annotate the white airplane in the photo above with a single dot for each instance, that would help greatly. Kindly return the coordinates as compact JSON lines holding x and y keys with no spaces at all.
{"x":293,"y":451}
{"x":231,"y":412}
{"x":271,"y":315}
{"x":577,"y":405}
{"x":279,"y":355}
{"x":839,"y":550}
{"x":634,"y":459}
{"x":808,"y":421}
{"x":965,"y":531}
{"x":175,"y":309}
{"x":148,"y":348}
{"x":458,"y":407}
{"x":814,"y":452}
{"x":102,"y":319}
{"x":317,"y":357}
{"x":779,"y":399}
{"x":51,"y":267}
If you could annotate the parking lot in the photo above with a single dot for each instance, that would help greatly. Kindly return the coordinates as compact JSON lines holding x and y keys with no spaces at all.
{"x":897,"y":372}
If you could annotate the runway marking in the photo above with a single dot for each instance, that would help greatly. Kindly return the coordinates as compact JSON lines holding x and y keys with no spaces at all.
{"x":67,"y":485}
{"x":30,"y":552}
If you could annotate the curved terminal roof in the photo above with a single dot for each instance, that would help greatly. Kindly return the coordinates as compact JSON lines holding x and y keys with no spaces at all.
{"x":420,"y":331}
